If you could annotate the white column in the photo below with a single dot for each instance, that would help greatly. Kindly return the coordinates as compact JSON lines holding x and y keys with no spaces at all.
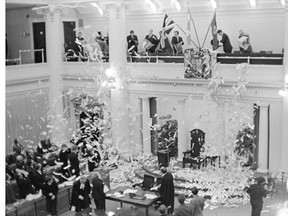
{"x":263,"y":139}
{"x":146,"y":126}
{"x":117,"y":58}
{"x":54,"y":59}
{"x":284,"y":143}
{"x":221,"y":125}
{"x":182,"y":145}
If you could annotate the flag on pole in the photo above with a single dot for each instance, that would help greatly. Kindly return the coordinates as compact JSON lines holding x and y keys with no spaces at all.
{"x":189,"y":20}
{"x":214,"y":31}
{"x":168,"y":24}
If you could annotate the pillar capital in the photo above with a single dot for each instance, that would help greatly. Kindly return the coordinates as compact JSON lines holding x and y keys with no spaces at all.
{"x":116,"y":5}
{"x":52,"y":10}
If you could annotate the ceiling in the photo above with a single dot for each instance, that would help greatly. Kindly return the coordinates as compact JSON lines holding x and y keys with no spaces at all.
{"x":85,"y":7}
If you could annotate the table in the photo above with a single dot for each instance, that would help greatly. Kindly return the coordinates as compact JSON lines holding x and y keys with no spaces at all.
{"x":126,"y":199}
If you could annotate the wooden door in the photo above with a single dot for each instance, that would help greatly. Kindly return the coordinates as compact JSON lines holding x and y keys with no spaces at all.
{"x":39,"y":36}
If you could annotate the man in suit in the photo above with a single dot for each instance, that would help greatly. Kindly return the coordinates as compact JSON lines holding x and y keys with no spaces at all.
{"x":257,"y":192}
{"x":227,"y":47}
{"x":177,"y":43}
{"x":153,"y":42}
{"x":183,"y":209}
{"x":166,"y":190}
{"x":80,"y":199}
{"x":197,"y":203}
{"x":132,"y":41}
{"x":98,"y":193}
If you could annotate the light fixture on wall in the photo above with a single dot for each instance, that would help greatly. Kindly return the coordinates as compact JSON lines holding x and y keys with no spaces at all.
{"x":111,"y":78}
{"x":213,"y":4}
{"x":25,"y":34}
{"x":94,"y":4}
{"x":252,"y":3}
{"x":177,"y":5}
{"x":284,"y":91}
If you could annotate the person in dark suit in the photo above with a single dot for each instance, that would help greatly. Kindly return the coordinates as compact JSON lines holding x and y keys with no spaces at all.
{"x":257,"y":192}
{"x":177,"y":43}
{"x":80,"y":199}
{"x":63,"y":158}
{"x":36,"y":176}
{"x":98,"y":193}
{"x":73,"y":162}
{"x":132,"y":40}
{"x":17,"y":148}
{"x":197,"y":203}
{"x":50,"y":191}
{"x":152,"y":42}
{"x":227,"y":47}
{"x":10,"y":192}
{"x":183,"y":209}
{"x":166,"y":190}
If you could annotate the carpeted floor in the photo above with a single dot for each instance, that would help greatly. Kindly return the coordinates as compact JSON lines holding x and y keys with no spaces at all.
{"x":271,"y":206}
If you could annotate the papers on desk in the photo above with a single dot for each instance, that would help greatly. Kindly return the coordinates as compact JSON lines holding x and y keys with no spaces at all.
{"x":150,"y":196}
{"x":127,"y":191}
{"x":118,"y":195}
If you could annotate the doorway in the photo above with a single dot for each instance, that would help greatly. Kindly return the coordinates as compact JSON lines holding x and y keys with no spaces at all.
{"x":70,"y":36}
{"x":39,"y":36}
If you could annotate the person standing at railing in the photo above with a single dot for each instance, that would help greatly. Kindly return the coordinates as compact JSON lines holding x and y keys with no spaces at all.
{"x":177,"y":43}
{"x":132,"y":42}
{"x":244,"y":42}
{"x":225,"y":41}
{"x":150,"y":43}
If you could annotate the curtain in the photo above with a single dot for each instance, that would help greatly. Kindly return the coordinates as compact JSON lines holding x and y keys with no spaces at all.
{"x":26,"y":117}
{"x":153,"y":112}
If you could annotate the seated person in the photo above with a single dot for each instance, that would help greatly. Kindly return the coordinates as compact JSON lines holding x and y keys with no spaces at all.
{"x":150,"y":43}
{"x":24,"y":185}
{"x":177,"y":43}
{"x":10,"y":191}
{"x":21,"y":166}
{"x":163,"y":210}
{"x":244,"y":42}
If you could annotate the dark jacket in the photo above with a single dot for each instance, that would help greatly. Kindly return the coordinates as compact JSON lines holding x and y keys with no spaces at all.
{"x":76,"y":192}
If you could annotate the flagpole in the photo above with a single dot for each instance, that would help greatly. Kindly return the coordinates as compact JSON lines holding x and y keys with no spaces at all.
{"x":186,"y":34}
{"x":194,"y":26}
{"x":208,"y":30}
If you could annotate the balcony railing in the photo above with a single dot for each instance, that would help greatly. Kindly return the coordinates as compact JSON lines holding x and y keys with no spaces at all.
{"x":26,"y":57}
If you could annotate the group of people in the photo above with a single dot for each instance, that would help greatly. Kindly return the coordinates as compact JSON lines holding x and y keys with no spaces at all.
{"x":243,"y":42}
{"x":152,"y":44}
{"x":89,"y":51}
{"x":25,"y":174}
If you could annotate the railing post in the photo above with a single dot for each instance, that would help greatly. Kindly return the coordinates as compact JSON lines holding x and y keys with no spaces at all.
{"x":20,"y":57}
{"x":42,"y":55}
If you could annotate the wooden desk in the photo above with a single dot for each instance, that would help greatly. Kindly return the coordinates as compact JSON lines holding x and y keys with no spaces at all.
{"x":133,"y":201}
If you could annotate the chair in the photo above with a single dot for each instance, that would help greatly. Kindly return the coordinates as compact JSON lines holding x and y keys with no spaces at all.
{"x":163,"y":158}
{"x":148,"y":182}
{"x":192,"y":156}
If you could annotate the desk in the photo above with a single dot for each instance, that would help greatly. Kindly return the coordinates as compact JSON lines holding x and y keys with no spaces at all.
{"x":126,"y":199}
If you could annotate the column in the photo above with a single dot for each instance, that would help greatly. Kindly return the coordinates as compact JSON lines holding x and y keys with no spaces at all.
{"x":117,"y":58}
{"x":54,"y":59}
{"x":284,"y":143}
{"x":263,"y":139}
{"x":146,"y":125}
{"x":221,"y":126}
{"x":182,"y":145}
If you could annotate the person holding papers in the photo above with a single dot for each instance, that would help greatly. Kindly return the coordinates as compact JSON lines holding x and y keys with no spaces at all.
{"x":244,"y":42}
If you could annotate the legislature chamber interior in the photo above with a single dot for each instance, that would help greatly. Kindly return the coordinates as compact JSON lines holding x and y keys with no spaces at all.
{"x":146,"y":107}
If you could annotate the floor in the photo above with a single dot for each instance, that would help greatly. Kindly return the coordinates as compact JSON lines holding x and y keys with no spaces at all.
{"x":270,"y":208}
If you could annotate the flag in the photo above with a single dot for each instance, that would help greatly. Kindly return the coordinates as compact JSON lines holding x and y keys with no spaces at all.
{"x":214,"y":31}
{"x":189,"y":20}
{"x":168,"y":24}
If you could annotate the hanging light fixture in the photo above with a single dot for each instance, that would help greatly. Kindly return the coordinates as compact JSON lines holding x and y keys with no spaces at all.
{"x":252,"y":3}
{"x":283,"y":3}
{"x":94,"y":4}
{"x":213,"y":4}
{"x":177,"y":5}
{"x":152,"y":6}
